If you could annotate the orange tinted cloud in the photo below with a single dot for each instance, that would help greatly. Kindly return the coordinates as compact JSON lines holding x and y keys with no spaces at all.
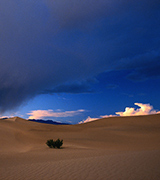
{"x":41,"y":114}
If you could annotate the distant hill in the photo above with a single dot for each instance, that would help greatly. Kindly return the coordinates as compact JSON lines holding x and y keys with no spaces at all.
{"x":4,"y":118}
{"x":48,"y":122}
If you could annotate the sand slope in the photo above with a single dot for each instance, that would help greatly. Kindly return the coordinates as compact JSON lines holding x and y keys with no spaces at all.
{"x":113,"y":148}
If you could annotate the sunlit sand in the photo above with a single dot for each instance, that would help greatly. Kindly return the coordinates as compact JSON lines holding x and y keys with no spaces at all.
{"x":116,"y":148}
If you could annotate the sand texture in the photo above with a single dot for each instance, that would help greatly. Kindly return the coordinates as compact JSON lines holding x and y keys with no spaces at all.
{"x":116,"y":148}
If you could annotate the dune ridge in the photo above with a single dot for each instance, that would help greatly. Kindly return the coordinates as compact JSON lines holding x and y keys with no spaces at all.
{"x":111,"y":148}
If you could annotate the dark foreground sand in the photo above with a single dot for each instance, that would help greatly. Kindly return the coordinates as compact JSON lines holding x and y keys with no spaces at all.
{"x":117,"y":148}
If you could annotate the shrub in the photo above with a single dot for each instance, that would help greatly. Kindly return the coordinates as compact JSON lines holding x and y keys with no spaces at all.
{"x":54,"y":144}
{"x":58,"y":143}
{"x":50,"y":143}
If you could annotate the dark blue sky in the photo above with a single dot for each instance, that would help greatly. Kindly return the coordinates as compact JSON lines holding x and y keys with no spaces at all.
{"x":66,"y":60}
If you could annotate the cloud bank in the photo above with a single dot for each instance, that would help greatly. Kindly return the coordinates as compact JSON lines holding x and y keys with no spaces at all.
{"x":48,"y":45}
{"x":144,"y":109}
{"x":45,"y":114}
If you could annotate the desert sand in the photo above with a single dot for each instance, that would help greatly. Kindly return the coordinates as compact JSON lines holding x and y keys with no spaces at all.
{"x":116,"y":148}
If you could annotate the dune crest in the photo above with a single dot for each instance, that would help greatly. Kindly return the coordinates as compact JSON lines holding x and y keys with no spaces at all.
{"x":16,"y":118}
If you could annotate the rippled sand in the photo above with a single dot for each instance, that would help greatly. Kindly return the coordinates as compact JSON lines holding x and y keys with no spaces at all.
{"x":117,"y":148}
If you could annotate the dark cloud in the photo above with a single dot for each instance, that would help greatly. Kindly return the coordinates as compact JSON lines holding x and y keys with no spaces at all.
{"x":143,"y":66}
{"x":112,"y":86}
{"x":52,"y":44}
{"x":144,"y":73}
{"x":73,"y":88}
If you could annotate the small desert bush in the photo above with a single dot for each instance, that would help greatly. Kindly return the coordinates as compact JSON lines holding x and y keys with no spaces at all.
{"x":54,"y":144}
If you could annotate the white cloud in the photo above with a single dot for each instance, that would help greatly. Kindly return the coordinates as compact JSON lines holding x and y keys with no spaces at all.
{"x":42,"y":114}
{"x":145,"y":109}
{"x":89,"y":119}
{"x":106,"y":116}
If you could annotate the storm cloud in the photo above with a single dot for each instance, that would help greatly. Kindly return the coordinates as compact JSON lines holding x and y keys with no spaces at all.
{"x":47,"y":46}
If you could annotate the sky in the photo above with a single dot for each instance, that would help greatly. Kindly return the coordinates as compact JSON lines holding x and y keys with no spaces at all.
{"x":72,"y":61}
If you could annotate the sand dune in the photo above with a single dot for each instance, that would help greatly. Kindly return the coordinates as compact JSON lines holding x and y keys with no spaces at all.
{"x":116,"y":148}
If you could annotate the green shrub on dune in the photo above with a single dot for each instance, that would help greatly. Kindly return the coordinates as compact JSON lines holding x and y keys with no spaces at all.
{"x":54,"y":144}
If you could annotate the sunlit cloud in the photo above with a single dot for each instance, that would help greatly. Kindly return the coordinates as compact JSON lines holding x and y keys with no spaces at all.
{"x":107,"y":116}
{"x":1,"y":117}
{"x":144,"y":109}
{"x":89,"y":119}
{"x":42,"y":114}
